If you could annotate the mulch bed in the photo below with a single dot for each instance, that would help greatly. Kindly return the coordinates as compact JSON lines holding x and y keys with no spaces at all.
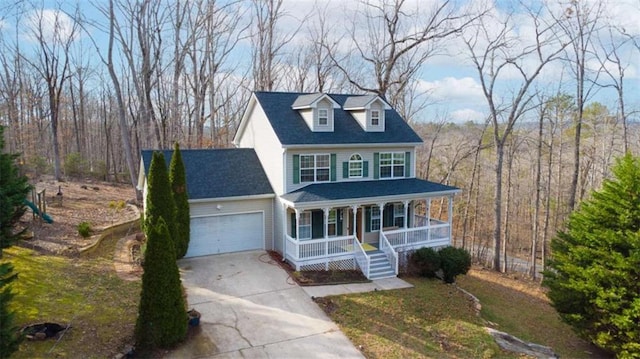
{"x":323,"y":277}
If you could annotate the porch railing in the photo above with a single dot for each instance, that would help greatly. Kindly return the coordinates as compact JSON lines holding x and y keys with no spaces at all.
{"x":318,"y":248}
{"x":431,"y":236}
{"x":388,"y":250}
{"x":363,"y":260}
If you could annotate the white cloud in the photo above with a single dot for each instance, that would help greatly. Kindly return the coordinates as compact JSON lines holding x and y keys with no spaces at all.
{"x":448,"y":89}
{"x":49,"y":25}
{"x":467,"y":114}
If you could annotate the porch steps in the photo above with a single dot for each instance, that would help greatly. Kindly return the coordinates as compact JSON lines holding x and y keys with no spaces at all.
{"x":380,"y":266}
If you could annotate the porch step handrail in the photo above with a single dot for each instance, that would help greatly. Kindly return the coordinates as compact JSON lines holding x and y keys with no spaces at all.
{"x":389,"y":251}
{"x":364,"y":261}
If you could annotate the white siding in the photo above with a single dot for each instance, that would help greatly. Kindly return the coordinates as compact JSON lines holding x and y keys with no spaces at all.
{"x":343,"y":155}
{"x":260,"y":136}
{"x":210,"y":208}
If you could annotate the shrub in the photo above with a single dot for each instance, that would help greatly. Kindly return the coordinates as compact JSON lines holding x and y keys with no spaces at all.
{"x":177,"y":177}
{"x":117,"y":205}
{"x":74,"y":165}
{"x":454,"y":261}
{"x":426,"y":262}
{"x":84,"y":229}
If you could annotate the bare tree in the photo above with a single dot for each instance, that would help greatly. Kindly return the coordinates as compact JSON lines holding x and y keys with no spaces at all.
{"x":580,"y":24}
{"x":395,"y":42}
{"x":492,"y":54}
{"x":55,"y":32}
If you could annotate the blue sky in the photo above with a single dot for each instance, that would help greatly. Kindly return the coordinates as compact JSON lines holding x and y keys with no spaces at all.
{"x":451,"y":83}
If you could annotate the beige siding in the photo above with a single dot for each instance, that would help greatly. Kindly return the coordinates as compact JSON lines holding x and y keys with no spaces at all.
{"x":212,"y":208}
{"x":260,"y":136}
{"x":343,"y":155}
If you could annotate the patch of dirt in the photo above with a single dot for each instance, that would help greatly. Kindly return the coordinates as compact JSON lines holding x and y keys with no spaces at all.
{"x":322,"y":277}
{"x":101,"y":204}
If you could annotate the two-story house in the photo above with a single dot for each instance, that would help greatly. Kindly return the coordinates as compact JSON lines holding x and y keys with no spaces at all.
{"x":334,"y":175}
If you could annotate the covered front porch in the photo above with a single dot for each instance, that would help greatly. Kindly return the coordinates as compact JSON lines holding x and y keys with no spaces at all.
{"x":368,"y":233}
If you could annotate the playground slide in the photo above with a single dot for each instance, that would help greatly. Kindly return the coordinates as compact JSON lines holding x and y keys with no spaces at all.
{"x":35,"y":210}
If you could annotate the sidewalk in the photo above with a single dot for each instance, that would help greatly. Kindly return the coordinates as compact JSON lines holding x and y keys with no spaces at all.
{"x":378,"y":284}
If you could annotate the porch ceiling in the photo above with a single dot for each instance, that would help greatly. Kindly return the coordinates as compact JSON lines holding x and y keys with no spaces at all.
{"x":340,"y":191}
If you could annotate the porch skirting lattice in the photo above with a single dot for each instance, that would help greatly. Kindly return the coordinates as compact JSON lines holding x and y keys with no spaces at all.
{"x":329,"y":264}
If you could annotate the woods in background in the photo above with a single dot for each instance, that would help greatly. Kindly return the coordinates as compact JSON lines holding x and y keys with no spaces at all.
{"x":84,"y":87}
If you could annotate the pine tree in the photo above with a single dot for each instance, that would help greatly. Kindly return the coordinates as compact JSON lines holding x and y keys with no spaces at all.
{"x":13,"y":191}
{"x":159,"y":202}
{"x":178,"y":180}
{"x":162,"y":317}
{"x":594,"y":276}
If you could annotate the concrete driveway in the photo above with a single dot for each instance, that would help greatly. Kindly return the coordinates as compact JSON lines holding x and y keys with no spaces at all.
{"x":252,"y":309}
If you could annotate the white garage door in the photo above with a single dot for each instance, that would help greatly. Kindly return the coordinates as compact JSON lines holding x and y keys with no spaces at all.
{"x":225,"y":234}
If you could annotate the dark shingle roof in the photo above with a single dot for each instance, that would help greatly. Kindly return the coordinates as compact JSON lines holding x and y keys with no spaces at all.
{"x":218,"y":173}
{"x":336,"y":191}
{"x":291,"y":128}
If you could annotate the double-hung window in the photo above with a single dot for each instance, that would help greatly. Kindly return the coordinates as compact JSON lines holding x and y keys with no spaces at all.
{"x":323,"y":117}
{"x":392,"y":164}
{"x":315,"y":168}
{"x":304,"y":227}
{"x":375,"y":218}
{"x":355,"y":166}
{"x":331,"y":223}
{"x":375,"y":118}
{"x":398,"y":215}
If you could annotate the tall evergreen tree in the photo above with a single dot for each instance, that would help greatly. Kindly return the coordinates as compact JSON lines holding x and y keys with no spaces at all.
{"x":162,"y":317}
{"x":14,"y":189}
{"x":594,"y":276}
{"x":159,"y":202}
{"x":178,"y":180}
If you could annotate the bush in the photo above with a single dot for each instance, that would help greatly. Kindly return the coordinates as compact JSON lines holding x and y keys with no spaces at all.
{"x":75,"y":165}
{"x":84,"y":229}
{"x":426,"y":262}
{"x":454,"y":261}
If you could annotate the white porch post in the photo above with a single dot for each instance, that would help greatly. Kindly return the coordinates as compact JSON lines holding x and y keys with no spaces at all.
{"x":326,"y":236}
{"x":284,"y":231}
{"x":450,"y":219}
{"x":297,"y":235}
{"x":428,"y":215}
{"x":354,"y":209}
{"x":381,"y":207}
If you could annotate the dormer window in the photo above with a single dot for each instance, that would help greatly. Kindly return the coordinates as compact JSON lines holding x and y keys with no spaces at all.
{"x":323,"y":117}
{"x":317,"y":110}
{"x":368,"y":110}
{"x":375,"y":118}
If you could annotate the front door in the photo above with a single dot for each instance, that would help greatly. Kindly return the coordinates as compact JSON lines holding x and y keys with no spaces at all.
{"x":359,"y":224}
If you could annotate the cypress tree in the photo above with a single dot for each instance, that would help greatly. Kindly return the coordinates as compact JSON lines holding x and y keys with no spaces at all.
{"x":14,"y":189}
{"x":159,"y":201}
{"x":594,"y":276}
{"x":178,"y":180}
{"x":162,"y":317}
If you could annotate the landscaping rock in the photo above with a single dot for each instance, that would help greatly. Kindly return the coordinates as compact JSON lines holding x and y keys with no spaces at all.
{"x":513,"y":344}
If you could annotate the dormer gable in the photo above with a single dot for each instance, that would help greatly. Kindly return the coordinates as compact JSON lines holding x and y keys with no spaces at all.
{"x":368,"y":110}
{"x":317,"y":110}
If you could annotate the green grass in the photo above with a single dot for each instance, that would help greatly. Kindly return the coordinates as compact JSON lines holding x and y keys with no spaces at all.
{"x":87,"y":294}
{"x":430,"y":320}
{"x":518,"y":311}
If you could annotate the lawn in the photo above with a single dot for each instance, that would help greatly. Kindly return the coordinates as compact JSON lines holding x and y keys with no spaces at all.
{"x":87,"y":294}
{"x":435,"y":320}
{"x":430,"y":320}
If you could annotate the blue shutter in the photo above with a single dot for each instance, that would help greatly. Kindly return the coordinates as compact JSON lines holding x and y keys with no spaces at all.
{"x":345,"y":169}
{"x":333,"y":167}
{"x":296,"y":169}
{"x":407,"y":164}
{"x":317,"y":224}
{"x":293,"y":225}
{"x":367,"y":219}
{"x":376,"y":165}
{"x":365,"y":169}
